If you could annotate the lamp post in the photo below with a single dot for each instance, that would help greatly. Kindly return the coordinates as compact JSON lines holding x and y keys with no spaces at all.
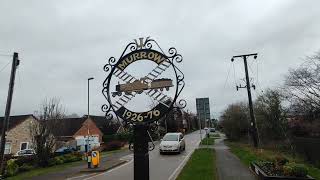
{"x":87,"y":145}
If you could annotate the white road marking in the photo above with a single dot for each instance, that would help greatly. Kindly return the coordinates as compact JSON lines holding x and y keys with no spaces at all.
{"x":127,"y":157}
{"x":76,"y":177}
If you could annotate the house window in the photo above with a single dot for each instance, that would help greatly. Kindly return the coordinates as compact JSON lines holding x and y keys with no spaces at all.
{"x":24,"y":145}
{"x":7,"y":148}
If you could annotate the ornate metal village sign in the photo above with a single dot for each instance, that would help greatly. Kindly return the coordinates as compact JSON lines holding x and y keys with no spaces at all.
{"x":152,"y":84}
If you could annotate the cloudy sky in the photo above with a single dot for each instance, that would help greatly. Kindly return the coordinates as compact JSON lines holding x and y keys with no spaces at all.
{"x":62,"y":43}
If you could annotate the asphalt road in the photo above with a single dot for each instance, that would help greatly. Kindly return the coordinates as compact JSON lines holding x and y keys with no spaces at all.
{"x":162,"y":167}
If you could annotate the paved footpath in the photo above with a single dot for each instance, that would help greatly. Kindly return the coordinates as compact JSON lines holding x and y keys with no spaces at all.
{"x":229,"y":166}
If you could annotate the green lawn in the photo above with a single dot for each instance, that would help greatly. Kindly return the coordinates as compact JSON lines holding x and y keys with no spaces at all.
{"x":41,"y":171}
{"x":248,"y":154}
{"x":201,"y":166}
{"x":208,"y":141}
{"x":215,"y":135}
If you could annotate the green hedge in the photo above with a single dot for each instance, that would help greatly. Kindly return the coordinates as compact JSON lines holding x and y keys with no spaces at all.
{"x":127,"y":136}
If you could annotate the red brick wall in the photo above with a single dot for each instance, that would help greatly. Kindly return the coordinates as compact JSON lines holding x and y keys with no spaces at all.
{"x":93,"y":130}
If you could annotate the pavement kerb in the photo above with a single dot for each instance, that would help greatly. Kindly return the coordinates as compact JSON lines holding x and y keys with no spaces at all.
{"x":103,"y":169}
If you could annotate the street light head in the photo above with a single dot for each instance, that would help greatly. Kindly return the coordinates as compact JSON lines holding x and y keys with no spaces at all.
{"x":232,"y":59}
{"x":255,"y":56}
{"x":90,"y":78}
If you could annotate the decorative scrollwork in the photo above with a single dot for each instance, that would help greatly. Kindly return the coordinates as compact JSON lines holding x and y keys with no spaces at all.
{"x":133,"y":47}
{"x":172,"y":52}
{"x":105,"y":108}
{"x":177,"y":58}
{"x":153,"y":127}
{"x":181,"y":104}
{"x":111,"y":62}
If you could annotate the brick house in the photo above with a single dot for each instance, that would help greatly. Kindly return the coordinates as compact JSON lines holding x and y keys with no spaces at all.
{"x":18,"y":133}
{"x":75,"y":132}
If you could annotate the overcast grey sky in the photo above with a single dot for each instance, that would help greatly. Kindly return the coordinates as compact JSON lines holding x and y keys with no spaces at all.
{"x":62,"y":43}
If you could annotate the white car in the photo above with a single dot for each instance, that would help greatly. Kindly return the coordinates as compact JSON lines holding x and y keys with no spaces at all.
{"x":172,"y":142}
{"x":25,"y":152}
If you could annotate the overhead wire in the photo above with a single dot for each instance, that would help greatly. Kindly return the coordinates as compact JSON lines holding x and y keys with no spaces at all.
{"x":4,"y":66}
{"x":224,"y":86}
{"x":234,"y":75}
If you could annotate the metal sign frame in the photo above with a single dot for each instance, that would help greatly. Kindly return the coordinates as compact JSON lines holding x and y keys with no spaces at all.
{"x":141,"y":49}
{"x":147,"y":49}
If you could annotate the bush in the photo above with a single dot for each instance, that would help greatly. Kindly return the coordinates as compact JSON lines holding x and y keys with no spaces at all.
{"x":25,"y":167}
{"x":65,"y":159}
{"x":25,"y":160}
{"x":56,"y":161}
{"x":71,"y":158}
{"x":12,"y":167}
{"x":280,"y":160}
{"x":125,"y":136}
{"x":113,"y":145}
{"x":294,"y":169}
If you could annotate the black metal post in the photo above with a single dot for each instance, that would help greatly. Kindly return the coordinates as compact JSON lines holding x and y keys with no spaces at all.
{"x":141,"y":152}
{"x":5,"y":122}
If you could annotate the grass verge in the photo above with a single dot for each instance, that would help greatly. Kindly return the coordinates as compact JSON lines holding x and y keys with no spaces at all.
{"x":56,"y":168}
{"x":207,"y":141}
{"x":41,"y":171}
{"x":201,"y":165}
{"x":248,"y":154}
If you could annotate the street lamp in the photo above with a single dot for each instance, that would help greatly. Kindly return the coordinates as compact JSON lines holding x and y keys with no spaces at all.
{"x":87,"y":145}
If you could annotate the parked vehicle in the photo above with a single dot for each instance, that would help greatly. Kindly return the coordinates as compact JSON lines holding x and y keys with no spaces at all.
{"x":212,"y":130}
{"x":172,"y":142}
{"x":25,"y":152}
{"x":64,"y":150}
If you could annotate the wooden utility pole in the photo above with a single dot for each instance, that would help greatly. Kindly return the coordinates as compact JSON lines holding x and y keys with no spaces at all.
{"x":253,"y":128}
{"x":15,"y":63}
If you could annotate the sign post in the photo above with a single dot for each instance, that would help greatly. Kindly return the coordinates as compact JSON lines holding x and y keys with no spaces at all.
{"x":122,"y":86}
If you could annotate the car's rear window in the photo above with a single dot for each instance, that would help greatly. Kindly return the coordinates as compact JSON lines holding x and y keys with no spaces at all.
{"x":170,"y":137}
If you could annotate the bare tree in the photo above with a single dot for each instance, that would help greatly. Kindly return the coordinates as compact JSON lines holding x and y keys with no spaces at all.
{"x":234,"y":121}
{"x":42,"y":132}
{"x":302,"y":87}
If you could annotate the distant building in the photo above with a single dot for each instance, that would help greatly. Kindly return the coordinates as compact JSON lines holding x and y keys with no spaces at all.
{"x":18,"y":133}
{"x":203,"y":110}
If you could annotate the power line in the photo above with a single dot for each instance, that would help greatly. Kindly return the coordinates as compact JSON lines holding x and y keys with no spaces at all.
{"x":224,"y":86}
{"x":5,"y":55}
{"x":234,"y":75}
{"x":5,"y":66}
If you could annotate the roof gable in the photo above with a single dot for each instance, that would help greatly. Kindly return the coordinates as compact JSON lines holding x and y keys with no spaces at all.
{"x":15,"y":120}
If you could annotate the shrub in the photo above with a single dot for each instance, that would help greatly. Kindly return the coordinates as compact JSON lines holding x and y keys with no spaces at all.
{"x":12,"y":167}
{"x":294,"y":169}
{"x":25,"y":167}
{"x":113,"y":145}
{"x":56,"y":161}
{"x":71,"y":158}
{"x":280,"y":160}
{"x":125,"y":136}
{"x":25,"y":160}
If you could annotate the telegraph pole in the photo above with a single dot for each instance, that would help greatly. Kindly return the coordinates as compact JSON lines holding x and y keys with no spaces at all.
{"x":15,"y":63}
{"x":253,"y":128}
